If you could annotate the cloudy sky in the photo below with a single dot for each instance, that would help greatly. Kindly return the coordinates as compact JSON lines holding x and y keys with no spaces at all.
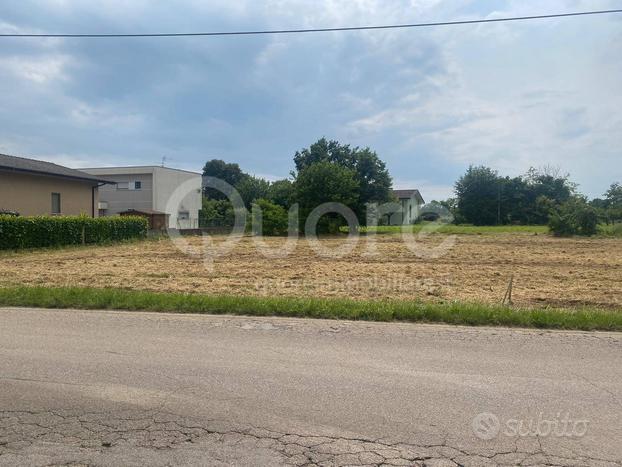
{"x":430,"y":101}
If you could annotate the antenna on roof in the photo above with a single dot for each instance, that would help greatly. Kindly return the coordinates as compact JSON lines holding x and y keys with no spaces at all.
{"x":163,"y":160}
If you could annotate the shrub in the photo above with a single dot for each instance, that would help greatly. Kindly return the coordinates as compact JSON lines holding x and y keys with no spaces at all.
{"x":46,"y":231}
{"x":574,"y":217}
{"x":216,"y":213}
{"x":6,"y":212}
{"x":274,"y":218}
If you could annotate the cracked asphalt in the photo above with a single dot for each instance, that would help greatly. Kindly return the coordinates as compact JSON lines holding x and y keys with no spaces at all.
{"x":122,"y":388}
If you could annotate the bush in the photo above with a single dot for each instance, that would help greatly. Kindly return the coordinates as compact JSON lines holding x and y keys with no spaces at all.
{"x":574,"y":217}
{"x":6,"y":212}
{"x":274,"y":218}
{"x":46,"y":231}
{"x":216,"y":213}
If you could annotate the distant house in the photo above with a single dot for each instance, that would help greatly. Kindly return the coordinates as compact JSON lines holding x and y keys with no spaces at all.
{"x":147,"y":190}
{"x":33,"y":188}
{"x":409,"y":200}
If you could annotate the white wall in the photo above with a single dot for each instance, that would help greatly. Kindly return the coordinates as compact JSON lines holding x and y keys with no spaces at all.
{"x":408,"y":214}
{"x":165,"y":182}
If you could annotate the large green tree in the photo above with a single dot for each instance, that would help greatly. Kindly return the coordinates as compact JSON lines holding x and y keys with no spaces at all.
{"x":324,"y":182}
{"x":478,"y":193}
{"x":370,"y":173}
{"x":228,"y":172}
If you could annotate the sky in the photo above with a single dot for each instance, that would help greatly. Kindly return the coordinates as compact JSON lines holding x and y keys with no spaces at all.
{"x":429,"y":101}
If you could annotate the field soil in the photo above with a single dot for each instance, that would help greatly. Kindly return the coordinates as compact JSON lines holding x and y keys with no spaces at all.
{"x":547,"y":271}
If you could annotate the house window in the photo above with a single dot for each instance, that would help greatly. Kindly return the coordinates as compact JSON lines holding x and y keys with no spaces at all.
{"x":138,"y":185}
{"x":123,"y":185}
{"x":55,"y":203}
{"x":183,"y":215}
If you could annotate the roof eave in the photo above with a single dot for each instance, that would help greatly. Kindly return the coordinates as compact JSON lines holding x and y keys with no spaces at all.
{"x":48,"y":174}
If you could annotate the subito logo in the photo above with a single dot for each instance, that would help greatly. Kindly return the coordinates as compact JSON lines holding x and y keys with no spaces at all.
{"x":486,"y":425}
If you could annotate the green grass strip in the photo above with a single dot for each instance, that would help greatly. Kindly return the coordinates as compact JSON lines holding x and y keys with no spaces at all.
{"x":472,"y":314}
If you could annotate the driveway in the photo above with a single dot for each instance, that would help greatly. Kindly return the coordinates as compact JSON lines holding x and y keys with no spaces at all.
{"x":123,"y":388}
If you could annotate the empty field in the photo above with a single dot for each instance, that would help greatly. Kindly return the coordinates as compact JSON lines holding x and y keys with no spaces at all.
{"x":547,"y":270}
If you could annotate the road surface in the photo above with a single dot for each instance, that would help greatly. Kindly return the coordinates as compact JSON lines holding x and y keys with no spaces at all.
{"x":122,"y":388}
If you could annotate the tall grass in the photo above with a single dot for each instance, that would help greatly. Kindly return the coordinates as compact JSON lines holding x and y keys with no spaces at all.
{"x":611,"y":230}
{"x":472,"y":314}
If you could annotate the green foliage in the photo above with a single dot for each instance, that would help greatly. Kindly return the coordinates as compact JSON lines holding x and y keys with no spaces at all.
{"x":478,"y":192}
{"x":282,"y":193}
{"x":370,"y":173}
{"x":216,"y":213}
{"x":46,"y":231}
{"x":574,"y":217}
{"x":324,"y":182}
{"x":6,"y":212}
{"x":252,"y":188}
{"x":485,"y":198}
{"x":611,"y":230}
{"x":228,"y":172}
{"x":275,"y":220}
{"x":471,"y":314}
{"x":613,"y":203}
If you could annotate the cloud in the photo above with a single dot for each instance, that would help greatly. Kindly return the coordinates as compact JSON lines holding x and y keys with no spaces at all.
{"x":429,"y":101}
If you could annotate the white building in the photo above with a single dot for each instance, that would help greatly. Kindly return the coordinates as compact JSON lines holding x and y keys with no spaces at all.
{"x":148,"y":189}
{"x":410,"y":201}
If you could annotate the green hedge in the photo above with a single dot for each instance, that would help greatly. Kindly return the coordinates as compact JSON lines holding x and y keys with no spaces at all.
{"x":46,"y":231}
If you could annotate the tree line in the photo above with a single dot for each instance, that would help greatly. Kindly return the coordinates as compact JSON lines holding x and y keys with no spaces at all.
{"x":540,"y":197}
{"x":328,"y":171}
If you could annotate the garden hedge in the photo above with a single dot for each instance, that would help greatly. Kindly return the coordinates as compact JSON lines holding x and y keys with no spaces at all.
{"x":46,"y":231}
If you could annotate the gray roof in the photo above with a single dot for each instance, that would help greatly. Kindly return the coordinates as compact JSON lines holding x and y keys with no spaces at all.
{"x":21,"y":164}
{"x":407,"y":194}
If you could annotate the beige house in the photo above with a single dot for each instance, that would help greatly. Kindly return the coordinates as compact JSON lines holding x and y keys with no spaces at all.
{"x":410,"y":202}
{"x":31,"y":188}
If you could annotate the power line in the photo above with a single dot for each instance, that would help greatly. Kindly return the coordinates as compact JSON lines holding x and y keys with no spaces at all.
{"x":298,"y":31}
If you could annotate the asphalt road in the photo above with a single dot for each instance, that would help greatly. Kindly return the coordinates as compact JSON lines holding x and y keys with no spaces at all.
{"x":121,"y":388}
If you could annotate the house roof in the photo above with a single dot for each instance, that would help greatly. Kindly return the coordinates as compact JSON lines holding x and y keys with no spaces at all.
{"x":22,"y":164}
{"x":407,"y":194}
{"x":133,"y":170}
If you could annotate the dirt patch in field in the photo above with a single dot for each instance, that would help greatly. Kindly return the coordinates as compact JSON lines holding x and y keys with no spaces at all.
{"x":547,"y":270}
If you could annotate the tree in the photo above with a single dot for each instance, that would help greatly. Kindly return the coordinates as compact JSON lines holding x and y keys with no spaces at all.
{"x":613,"y":202}
{"x":281,"y":192}
{"x":485,"y":198}
{"x":228,"y":172}
{"x":613,"y":196}
{"x":252,"y":188}
{"x":323,"y":182}
{"x":516,"y":202}
{"x":574,"y":217}
{"x":275,"y":220}
{"x":216,"y":213}
{"x":370,"y":173}
{"x":546,"y":183}
{"x":478,"y":194}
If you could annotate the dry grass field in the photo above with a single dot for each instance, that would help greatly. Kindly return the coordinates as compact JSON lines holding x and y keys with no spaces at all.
{"x":547,"y":270}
